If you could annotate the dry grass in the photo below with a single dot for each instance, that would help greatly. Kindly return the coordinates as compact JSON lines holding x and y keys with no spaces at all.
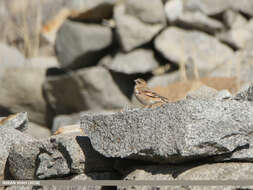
{"x":26,"y":34}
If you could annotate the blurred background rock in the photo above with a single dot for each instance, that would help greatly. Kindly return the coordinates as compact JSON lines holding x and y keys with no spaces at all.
{"x":64,"y":57}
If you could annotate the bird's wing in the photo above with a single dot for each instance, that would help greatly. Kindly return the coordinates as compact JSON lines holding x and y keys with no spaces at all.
{"x":153,"y":94}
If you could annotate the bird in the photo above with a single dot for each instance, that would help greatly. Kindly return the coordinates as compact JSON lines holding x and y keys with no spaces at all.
{"x":146,"y":96}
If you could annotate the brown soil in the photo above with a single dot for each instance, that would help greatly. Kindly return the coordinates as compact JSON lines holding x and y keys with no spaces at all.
{"x":179,"y":90}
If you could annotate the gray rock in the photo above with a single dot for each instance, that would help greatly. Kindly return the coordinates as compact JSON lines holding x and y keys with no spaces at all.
{"x":194,"y":20}
{"x":198,"y":20}
{"x":238,"y":37}
{"x":208,"y":7}
{"x":63,"y":120}
{"x":234,"y":19}
{"x":18,"y":121}
{"x":173,"y":9}
{"x":87,"y":5}
{"x":204,"y":92}
{"x":78,"y":44}
{"x":10,"y":137}
{"x":164,"y":80}
{"x":10,"y":57}
{"x":238,"y":66}
{"x":71,"y":121}
{"x":51,"y":165}
{"x":43,"y":62}
{"x":22,"y":160}
{"x":223,"y":94}
{"x":154,"y":172}
{"x":173,"y":133}
{"x":133,"y":32}
{"x":18,"y":95}
{"x":245,"y":6}
{"x":92,"y":10}
{"x":3,"y":158}
{"x":97,"y":176}
{"x":22,"y":153}
{"x":152,"y":12}
{"x":205,"y":51}
{"x":83,"y":91}
{"x":70,"y":154}
{"x":38,"y":131}
{"x":217,"y":171}
{"x":137,"y":61}
{"x":246,"y":95}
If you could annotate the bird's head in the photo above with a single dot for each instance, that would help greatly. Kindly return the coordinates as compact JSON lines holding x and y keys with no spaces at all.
{"x":140,"y":81}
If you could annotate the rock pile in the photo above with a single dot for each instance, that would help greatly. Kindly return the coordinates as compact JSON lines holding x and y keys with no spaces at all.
{"x":201,"y":137}
{"x":89,"y":54}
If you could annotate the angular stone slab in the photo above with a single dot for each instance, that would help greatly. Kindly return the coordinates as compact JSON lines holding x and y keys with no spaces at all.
{"x":173,"y":133}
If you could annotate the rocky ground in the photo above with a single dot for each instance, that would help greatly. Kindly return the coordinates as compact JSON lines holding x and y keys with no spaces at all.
{"x":67,"y":59}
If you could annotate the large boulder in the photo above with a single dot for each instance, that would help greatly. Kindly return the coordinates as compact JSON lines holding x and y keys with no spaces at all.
{"x":177,"y":132}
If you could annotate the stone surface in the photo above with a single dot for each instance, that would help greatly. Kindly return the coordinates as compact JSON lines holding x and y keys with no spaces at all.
{"x":22,"y":160}
{"x":238,"y":37}
{"x":3,"y":158}
{"x":245,"y":6}
{"x":79,"y":44}
{"x":204,"y":92}
{"x":10,"y":57}
{"x":22,"y":150}
{"x":18,"y":121}
{"x":133,"y":32}
{"x":152,"y":12}
{"x":208,"y":7}
{"x":246,"y":95}
{"x":69,"y":154}
{"x":136,"y":61}
{"x":176,"y":132}
{"x":154,"y":172}
{"x":189,"y":19}
{"x":38,"y":131}
{"x":87,"y":89}
{"x":64,"y":120}
{"x":24,"y":95}
{"x":238,"y":66}
{"x":217,"y":171}
{"x":204,"y":50}
{"x":10,"y":137}
{"x":173,"y":9}
{"x":234,"y":19}
{"x":199,"y":21}
{"x":164,"y":80}
{"x":43,"y":62}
